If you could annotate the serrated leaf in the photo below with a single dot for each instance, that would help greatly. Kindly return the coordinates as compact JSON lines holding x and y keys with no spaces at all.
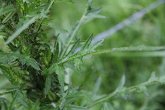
{"x":7,"y":58}
{"x":13,"y":74}
{"x":29,"y":61}
{"x":21,"y":29}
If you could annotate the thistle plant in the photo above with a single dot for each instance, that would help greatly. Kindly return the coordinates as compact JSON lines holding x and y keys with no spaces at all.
{"x":34,"y":59}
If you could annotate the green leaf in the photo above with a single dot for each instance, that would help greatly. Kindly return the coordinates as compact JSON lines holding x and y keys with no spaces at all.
{"x":88,"y":42}
{"x":7,"y":58}
{"x":3,"y":46}
{"x":8,"y":17}
{"x":72,"y":48}
{"x":22,"y":28}
{"x":13,"y":74}
{"x":48,"y":84}
{"x":121,"y":84}
{"x":7,"y":9}
{"x":56,"y":69}
{"x":60,"y":74}
{"x":94,"y":46}
{"x":29,"y":61}
{"x":92,"y":14}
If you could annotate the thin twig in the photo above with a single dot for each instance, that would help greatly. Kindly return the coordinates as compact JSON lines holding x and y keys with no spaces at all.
{"x":128,"y":21}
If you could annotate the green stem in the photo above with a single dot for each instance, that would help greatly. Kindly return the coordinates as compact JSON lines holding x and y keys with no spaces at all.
{"x":73,"y":33}
{"x":123,"y":52}
{"x":134,"y":88}
{"x":103,"y":99}
{"x":50,"y":5}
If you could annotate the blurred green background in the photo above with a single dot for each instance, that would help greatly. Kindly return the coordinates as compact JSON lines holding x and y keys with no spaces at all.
{"x":148,"y":31}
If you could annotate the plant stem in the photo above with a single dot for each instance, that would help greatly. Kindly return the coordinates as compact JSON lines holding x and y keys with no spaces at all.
{"x":103,"y":99}
{"x":73,"y":33}
{"x":128,"y":89}
{"x":123,"y":52}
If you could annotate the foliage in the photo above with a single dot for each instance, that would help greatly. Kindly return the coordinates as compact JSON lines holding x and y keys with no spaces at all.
{"x":48,"y":67}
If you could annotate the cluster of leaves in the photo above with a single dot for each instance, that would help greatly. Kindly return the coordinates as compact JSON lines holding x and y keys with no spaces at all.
{"x":34,"y":59}
{"x":27,"y":58}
